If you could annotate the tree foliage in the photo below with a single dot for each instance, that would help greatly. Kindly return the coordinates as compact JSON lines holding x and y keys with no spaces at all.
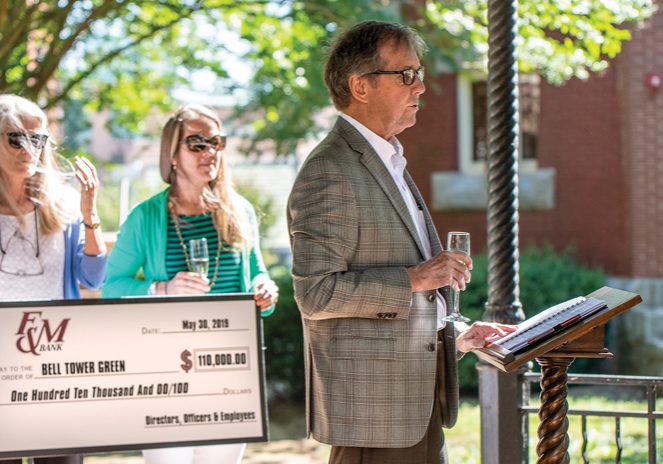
{"x":559,"y":39}
{"x":123,"y":55}
{"x":130,"y":55}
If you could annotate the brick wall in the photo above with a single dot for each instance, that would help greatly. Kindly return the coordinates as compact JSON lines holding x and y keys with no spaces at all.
{"x":580,"y":137}
{"x":643,"y":145}
{"x":604,"y":138}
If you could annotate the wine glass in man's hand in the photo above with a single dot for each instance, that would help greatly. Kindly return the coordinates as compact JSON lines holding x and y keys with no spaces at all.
{"x":457,"y":241}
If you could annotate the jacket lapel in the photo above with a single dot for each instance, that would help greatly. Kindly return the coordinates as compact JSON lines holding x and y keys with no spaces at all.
{"x":435,"y":245}
{"x":378,"y":170}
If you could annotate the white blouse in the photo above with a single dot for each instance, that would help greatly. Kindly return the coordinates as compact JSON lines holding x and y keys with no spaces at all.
{"x":31,"y":263}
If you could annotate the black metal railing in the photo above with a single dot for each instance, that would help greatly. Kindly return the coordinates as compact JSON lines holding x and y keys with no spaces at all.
{"x":648,"y":387}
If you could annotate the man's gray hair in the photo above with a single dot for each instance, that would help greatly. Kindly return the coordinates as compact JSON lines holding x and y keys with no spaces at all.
{"x":357,"y":51}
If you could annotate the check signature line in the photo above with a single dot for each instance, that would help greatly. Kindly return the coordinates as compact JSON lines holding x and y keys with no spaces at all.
{"x":204,"y":423}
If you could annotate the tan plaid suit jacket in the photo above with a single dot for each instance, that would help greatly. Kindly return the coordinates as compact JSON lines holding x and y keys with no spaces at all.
{"x":370,"y":343}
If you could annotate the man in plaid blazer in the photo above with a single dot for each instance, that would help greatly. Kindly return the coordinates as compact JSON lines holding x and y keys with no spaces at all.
{"x":370,"y":276}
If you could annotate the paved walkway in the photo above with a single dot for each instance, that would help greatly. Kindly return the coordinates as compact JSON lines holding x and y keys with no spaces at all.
{"x":287,"y":452}
{"x":303,"y":451}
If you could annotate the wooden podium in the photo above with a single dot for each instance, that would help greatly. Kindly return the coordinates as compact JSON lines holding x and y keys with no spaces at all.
{"x":555,"y":355}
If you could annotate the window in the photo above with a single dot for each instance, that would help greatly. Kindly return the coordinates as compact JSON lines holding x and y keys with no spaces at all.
{"x":473,"y":122}
{"x":466,"y":189}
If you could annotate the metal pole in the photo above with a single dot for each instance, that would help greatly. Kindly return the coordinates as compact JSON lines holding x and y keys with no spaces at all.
{"x":502,"y":425}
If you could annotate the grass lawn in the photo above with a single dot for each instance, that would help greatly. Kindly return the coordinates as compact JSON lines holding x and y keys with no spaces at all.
{"x":464,"y":440}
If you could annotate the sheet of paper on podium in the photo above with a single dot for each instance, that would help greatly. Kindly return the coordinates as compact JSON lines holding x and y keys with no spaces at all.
{"x":549,"y":322}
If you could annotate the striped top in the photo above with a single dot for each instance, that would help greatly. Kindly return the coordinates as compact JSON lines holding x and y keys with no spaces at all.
{"x":228,"y":278}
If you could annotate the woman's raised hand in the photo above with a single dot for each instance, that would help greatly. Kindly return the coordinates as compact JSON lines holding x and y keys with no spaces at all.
{"x":87,"y":177}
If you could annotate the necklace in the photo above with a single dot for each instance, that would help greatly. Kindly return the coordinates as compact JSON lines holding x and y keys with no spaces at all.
{"x":4,"y":252}
{"x":21,"y":270}
{"x":219,"y":245}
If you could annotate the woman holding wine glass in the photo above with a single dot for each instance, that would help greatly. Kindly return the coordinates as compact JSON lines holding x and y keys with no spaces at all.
{"x":160,"y":237}
{"x":200,"y":203}
{"x":50,"y":238}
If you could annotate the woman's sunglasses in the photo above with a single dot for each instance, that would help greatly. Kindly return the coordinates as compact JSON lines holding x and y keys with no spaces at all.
{"x":197,"y":143}
{"x":22,"y":140}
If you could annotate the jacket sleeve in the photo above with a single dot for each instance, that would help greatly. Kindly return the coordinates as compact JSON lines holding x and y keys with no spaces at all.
{"x":126,"y":259}
{"x":324,"y":226}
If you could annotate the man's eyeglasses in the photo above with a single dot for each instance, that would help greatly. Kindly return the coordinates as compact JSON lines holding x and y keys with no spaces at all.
{"x":22,"y":140}
{"x":197,"y":143}
{"x":408,"y":75}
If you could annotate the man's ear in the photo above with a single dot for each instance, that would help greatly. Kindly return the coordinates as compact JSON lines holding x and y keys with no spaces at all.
{"x":358,"y":87}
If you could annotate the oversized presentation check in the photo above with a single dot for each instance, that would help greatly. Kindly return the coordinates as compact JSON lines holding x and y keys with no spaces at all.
{"x":101,"y":375}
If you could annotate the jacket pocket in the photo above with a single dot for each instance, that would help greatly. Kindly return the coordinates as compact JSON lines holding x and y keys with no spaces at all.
{"x":363,"y":348}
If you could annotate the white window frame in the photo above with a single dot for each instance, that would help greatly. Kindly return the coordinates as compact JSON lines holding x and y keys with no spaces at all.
{"x":465,"y":121}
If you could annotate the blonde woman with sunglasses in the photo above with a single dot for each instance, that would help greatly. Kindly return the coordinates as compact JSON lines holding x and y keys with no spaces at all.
{"x":152,"y":254}
{"x":50,"y":240}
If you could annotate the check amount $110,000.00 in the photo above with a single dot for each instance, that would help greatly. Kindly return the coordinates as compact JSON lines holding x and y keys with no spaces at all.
{"x":220,"y":359}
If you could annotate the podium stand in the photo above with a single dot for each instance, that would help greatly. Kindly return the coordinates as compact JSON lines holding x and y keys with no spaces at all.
{"x":555,"y":355}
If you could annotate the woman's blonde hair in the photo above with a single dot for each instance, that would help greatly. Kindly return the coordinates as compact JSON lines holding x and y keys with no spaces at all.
{"x":219,"y":195}
{"x":46,"y":187}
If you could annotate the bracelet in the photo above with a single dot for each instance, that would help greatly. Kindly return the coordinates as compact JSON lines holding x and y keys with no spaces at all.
{"x":94,"y":225}
{"x":165,"y":287}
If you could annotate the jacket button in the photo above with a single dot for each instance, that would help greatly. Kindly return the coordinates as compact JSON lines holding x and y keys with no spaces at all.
{"x":431,"y":297}
{"x":431,"y":347}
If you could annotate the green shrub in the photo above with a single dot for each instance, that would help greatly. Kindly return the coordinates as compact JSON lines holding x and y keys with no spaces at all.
{"x":284,"y":357}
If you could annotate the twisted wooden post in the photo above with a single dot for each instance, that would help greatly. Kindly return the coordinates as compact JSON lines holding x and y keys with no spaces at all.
{"x":503,"y":293}
{"x":499,"y":422}
{"x":553,"y":437}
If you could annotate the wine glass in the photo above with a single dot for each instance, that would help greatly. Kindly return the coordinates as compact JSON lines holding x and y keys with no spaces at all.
{"x":199,"y":256}
{"x":457,"y":241}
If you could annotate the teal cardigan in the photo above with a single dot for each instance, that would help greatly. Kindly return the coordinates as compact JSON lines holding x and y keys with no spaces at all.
{"x":141,"y":243}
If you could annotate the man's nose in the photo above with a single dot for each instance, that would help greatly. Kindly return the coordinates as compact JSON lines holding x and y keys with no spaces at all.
{"x":419,"y":86}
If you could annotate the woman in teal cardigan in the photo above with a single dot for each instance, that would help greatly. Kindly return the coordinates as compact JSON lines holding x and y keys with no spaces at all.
{"x":154,"y":239}
{"x":142,"y":244}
